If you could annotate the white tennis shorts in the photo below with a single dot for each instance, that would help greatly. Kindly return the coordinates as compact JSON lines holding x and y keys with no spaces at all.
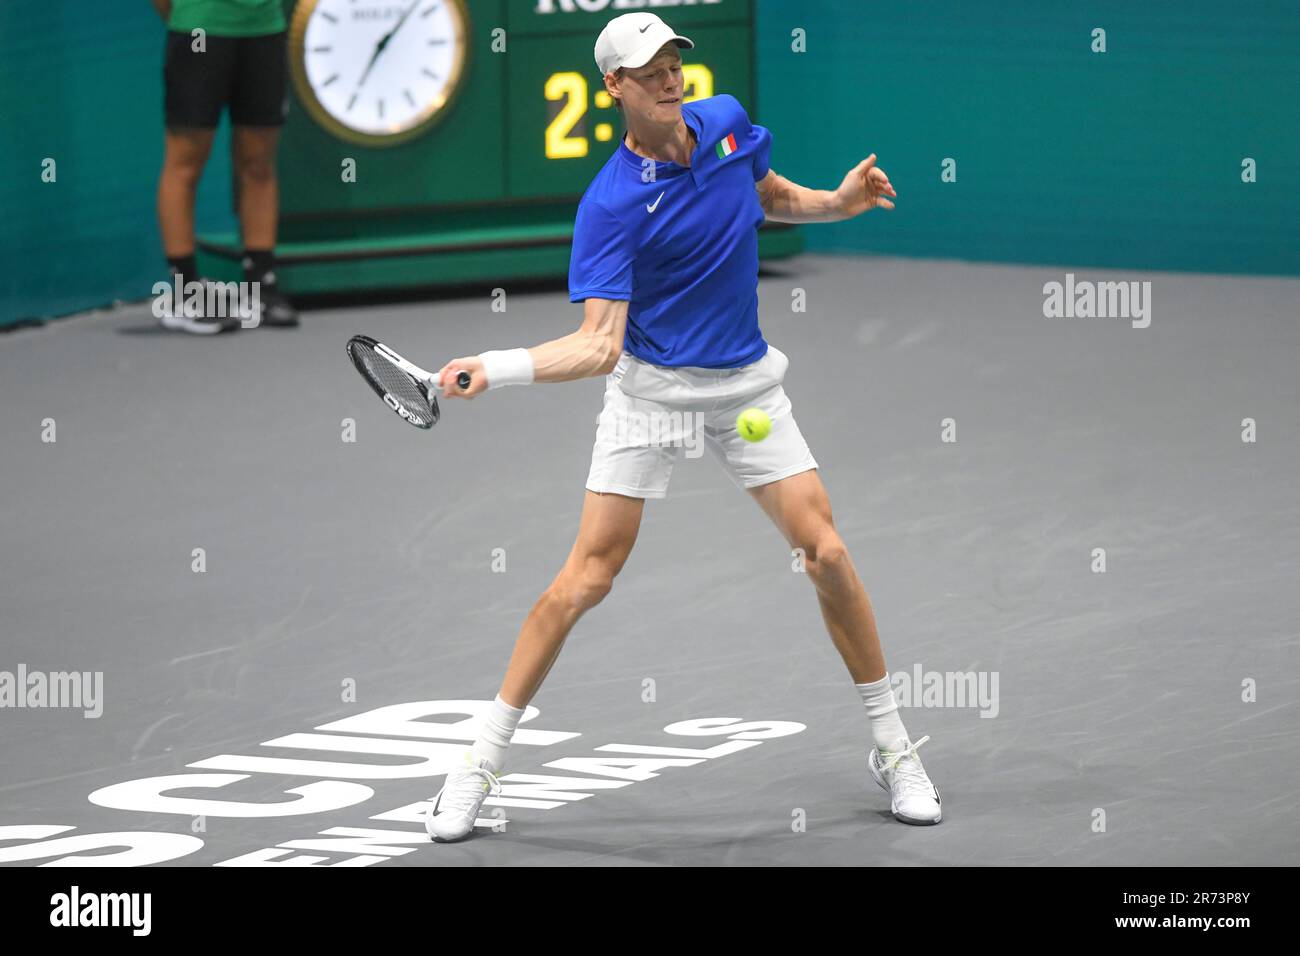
{"x":653,"y":415}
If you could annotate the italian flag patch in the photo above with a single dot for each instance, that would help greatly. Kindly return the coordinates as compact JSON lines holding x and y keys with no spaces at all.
{"x":727,"y":146}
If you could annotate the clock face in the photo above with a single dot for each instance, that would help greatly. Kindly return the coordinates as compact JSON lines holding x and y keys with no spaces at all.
{"x":378,"y":72}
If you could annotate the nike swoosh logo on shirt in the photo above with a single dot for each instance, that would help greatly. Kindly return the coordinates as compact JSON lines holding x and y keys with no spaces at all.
{"x":650,"y":208}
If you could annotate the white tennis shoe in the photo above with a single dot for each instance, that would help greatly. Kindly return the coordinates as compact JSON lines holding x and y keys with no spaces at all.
{"x":455,"y":807}
{"x":912,"y":797}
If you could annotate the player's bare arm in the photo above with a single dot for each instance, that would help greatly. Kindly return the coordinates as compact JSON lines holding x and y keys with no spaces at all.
{"x":865,"y":186}
{"x":590,"y":351}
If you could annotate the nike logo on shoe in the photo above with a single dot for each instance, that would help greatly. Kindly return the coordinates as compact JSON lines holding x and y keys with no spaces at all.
{"x":650,"y":208}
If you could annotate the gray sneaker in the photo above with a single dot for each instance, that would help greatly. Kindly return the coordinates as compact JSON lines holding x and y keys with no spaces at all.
{"x":194,"y":318}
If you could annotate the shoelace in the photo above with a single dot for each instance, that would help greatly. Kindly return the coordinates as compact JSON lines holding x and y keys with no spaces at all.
{"x":463,"y":794}
{"x":908,"y":772}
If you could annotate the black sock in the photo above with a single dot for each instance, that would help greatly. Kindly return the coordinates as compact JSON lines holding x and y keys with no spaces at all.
{"x":186,"y":267}
{"x":258,"y":264}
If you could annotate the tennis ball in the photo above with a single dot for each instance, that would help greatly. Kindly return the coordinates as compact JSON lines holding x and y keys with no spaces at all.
{"x":753,"y":424}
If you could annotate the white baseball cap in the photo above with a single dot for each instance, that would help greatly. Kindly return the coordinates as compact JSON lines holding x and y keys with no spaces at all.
{"x":632,"y":40}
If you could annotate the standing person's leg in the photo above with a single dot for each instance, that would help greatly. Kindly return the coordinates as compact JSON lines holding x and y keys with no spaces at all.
{"x":257,"y":112}
{"x":253,"y":150}
{"x":185,"y":153}
{"x":195,"y":89}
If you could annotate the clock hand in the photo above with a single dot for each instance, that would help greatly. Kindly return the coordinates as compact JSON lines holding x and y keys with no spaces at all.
{"x":379,"y":48}
{"x":409,"y":11}
{"x":374,"y":56}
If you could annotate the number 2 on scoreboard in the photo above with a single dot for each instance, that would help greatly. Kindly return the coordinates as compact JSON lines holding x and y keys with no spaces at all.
{"x":571,"y":88}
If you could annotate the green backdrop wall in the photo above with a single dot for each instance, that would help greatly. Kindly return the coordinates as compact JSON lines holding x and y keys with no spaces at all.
{"x":1129,"y":158}
{"x":81,"y":83}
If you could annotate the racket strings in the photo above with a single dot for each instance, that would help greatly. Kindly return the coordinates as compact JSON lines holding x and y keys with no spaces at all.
{"x":391,"y":382}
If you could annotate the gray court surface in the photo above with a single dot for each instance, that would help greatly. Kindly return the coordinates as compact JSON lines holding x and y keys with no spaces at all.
{"x":377,"y":565}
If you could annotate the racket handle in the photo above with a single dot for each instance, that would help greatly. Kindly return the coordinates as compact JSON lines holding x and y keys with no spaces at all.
{"x":463,"y":380}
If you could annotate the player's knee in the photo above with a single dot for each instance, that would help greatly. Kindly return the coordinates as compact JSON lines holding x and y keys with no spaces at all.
{"x":583,"y":588}
{"x":595,"y":583}
{"x":827,"y":557}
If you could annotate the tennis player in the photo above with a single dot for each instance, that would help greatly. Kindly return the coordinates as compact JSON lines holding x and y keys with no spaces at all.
{"x":665,"y":262}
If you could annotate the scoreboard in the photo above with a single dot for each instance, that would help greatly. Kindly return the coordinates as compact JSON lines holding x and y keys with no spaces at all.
{"x":445,"y":141}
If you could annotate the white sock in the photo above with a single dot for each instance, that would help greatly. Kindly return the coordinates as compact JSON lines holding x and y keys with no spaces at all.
{"x":887,"y":728}
{"x":494,"y":736}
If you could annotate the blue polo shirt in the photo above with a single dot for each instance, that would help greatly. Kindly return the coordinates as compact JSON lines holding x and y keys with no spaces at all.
{"x":680,"y":243}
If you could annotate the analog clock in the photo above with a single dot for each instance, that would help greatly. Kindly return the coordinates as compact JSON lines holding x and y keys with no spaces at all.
{"x":378,"y":72}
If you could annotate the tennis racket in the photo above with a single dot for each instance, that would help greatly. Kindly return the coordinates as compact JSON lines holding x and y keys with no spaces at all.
{"x":405,"y":387}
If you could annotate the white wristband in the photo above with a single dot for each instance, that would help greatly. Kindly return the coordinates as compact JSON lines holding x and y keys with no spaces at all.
{"x":507,"y":367}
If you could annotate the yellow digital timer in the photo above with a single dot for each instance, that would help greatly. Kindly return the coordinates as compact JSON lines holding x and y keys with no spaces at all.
{"x":562,"y":141}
